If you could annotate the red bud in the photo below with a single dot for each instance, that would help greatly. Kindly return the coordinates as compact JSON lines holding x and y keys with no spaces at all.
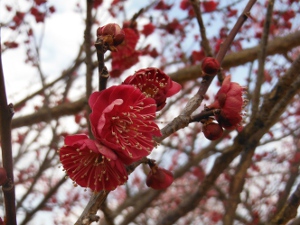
{"x":159,"y":178}
{"x":212,"y":131}
{"x":210,"y":66}
{"x":112,"y":35}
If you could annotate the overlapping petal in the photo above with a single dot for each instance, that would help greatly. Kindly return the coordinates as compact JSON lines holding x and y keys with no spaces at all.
{"x":122,"y":118}
{"x":155,"y":84}
{"x":90,"y":164}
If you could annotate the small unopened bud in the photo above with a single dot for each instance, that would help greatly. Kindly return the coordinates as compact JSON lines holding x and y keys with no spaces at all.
{"x":210,"y":66}
{"x":112,"y":35}
{"x":212,"y":131}
{"x":159,"y":178}
{"x":3,"y":176}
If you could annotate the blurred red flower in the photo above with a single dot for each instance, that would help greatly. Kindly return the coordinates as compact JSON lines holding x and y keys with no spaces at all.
{"x":122,"y":118}
{"x":155,"y":84}
{"x":126,"y":56}
{"x":90,"y":164}
{"x":229,"y":99}
{"x":209,"y":6}
{"x":148,"y":29}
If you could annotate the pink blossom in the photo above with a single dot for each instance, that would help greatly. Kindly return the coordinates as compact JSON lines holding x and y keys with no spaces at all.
{"x":155,"y":84}
{"x":229,"y":99}
{"x":90,"y":164}
{"x":122,"y":118}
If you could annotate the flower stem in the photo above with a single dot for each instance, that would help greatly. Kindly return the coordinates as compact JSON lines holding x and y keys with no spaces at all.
{"x":102,"y":70}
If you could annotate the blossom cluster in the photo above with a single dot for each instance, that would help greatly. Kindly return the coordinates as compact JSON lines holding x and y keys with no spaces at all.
{"x":123,"y":125}
{"x":229,"y":100}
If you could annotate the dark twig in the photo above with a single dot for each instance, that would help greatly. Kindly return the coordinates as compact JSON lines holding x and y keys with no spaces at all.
{"x":102,"y":70}
{"x":261,"y":59}
{"x":289,"y":210}
{"x":204,"y":42}
{"x":6,"y":114}
{"x":88,"y":57}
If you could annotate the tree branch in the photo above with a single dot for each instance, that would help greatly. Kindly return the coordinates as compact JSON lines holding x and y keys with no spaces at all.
{"x":261,"y":59}
{"x":6,"y":114}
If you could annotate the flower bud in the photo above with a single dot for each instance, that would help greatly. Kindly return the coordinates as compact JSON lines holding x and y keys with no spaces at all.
{"x":159,"y":178}
{"x":212,"y":131}
{"x":210,"y":66}
{"x":3,"y":176}
{"x":112,"y":35}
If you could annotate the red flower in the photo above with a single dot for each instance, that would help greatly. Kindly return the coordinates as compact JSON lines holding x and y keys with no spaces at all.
{"x":197,"y":56}
{"x":126,"y":56}
{"x":210,"y":66}
{"x":159,"y":178}
{"x":112,"y":35}
{"x":209,"y":6}
{"x":148,"y":29}
{"x":122,"y":118}
{"x":155,"y":84}
{"x":162,"y":6}
{"x":229,"y":99}
{"x":90,"y":164}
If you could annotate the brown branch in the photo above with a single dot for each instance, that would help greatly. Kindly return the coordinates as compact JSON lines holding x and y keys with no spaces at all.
{"x":236,"y":186}
{"x":261,"y":59}
{"x":278,"y":45}
{"x":294,"y":170}
{"x":88,"y":58}
{"x":248,"y":139}
{"x":289,"y":210}
{"x":6,"y":114}
{"x":182,"y":120}
{"x":56,"y":112}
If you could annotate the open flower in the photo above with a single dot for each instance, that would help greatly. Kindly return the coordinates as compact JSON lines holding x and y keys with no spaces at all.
{"x":122,"y":118}
{"x":90,"y":164}
{"x":155,"y":84}
{"x":159,"y":178}
{"x":229,"y":99}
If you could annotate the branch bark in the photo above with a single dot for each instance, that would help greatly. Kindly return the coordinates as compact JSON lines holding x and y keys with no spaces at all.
{"x":287,"y":87}
{"x":6,"y":114}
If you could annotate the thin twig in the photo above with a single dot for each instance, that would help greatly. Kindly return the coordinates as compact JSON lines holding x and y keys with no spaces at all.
{"x":261,"y":59}
{"x":204,"y":42}
{"x":88,"y":60}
